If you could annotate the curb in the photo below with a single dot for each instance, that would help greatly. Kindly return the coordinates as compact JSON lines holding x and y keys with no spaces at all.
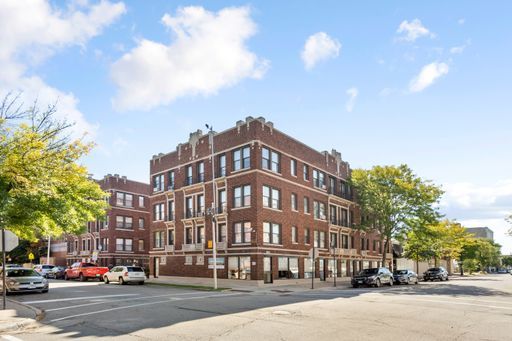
{"x":38,"y":312}
{"x":22,"y":323}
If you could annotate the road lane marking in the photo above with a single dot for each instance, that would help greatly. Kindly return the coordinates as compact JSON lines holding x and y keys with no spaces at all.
{"x":76,"y":298}
{"x":122,"y":300}
{"x":10,"y":338}
{"x":140,"y":305}
{"x":465,"y":303}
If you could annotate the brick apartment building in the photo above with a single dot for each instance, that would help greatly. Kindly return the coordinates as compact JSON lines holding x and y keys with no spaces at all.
{"x":122,"y":238}
{"x":275,"y":199}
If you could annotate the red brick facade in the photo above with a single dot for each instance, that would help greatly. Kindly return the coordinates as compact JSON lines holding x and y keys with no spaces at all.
{"x":122,"y":238}
{"x":273,"y":255}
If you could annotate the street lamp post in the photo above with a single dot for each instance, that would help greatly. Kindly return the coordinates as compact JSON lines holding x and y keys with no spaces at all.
{"x":335,"y":265}
{"x":214,"y":208}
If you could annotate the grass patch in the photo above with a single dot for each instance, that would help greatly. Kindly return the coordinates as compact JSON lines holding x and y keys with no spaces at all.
{"x":187,"y":286}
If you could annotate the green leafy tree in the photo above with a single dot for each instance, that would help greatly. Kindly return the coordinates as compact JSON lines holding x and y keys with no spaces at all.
{"x":392,"y":199}
{"x":506,"y":260}
{"x":43,"y":188}
{"x":450,"y":239}
{"x":471,"y":265}
{"x":484,"y":251}
{"x":417,"y":245}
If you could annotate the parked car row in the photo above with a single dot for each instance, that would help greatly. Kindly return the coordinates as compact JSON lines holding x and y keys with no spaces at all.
{"x":18,"y":279}
{"x":379,"y":276}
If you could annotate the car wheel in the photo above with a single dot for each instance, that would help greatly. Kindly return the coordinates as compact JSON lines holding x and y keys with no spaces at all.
{"x":446,"y":277}
{"x":82,"y":278}
{"x":355,"y":286}
{"x":105,"y":279}
{"x":121,"y":281}
{"x":377,"y":283}
{"x":141,"y":282}
{"x":66,"y":278}
{"x":416,"y":282}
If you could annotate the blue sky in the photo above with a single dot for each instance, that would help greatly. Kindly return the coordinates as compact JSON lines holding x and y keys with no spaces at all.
{"x":430,"y":82}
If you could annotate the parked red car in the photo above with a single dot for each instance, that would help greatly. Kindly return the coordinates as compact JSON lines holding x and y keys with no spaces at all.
{"x":84,"y":271}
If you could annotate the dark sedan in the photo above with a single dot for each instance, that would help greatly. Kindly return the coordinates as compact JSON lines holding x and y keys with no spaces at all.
{"x":405,"y":277}
{"x":432,"y":274}
{"x":373,"y":277}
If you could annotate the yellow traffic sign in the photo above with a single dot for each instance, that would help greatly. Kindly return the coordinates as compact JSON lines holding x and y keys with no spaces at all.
{"x":31,"y":256}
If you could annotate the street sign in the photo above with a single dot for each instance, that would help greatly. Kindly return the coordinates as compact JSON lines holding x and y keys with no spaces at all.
{"x":11,"y":241}
{"x":31,"y":256}
{"x":220,"y":263}
{"x":317,"y":254}
{"x":95,"y":256}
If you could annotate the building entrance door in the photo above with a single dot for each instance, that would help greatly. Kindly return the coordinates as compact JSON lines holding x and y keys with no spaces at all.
{"x":156,"y":264}
{"x":267,"y":270}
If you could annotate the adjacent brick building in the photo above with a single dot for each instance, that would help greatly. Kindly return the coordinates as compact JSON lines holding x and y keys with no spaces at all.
{"x":275,"y":198}
{"x":122,"y":237}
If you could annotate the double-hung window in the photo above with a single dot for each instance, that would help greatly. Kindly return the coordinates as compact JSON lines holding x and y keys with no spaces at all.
{"x":242,"y":196}
{"x":171,"y":180}
{"x":123,"y":222}
{"x":295,"y":237}
{"x":270,"y":160}
{"x":158,"y":211}
{"x":222,"y":165}
{"x":293,"y":200}
{"x":242,"y":232}
{"x":305,"y":172}
{"x":189,"y":207}
{"x":306,"y":205}
{"x":200,"y":171}
{"x":241,"y":158}
{"x":124,"y":199}
{"x":189,"y":178}
{"x":170,"y":208}
{"x":318,"y":179}
{"x":158,"y":183}
{"x":319,"y":210}
{"x":271,"y":197}
{"x":200,"y":204}
{"x":271,"y":233}
{"x":293,"y":167}
{"x":124,"y":244}
{"x":158,"y":239}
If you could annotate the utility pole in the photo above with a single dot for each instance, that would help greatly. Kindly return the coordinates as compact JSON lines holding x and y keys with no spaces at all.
{"x":48,"y":251}
{"x":214,"y":211}
{"x":313,"y":267}
{"x":4,"y":289}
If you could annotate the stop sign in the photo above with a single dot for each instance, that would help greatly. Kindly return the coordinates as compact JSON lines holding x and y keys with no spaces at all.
{"x":11,"y":241}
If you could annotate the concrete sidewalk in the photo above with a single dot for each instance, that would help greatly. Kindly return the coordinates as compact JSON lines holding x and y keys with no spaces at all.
{"x":251,"y":285}
{"x":18,"y":316}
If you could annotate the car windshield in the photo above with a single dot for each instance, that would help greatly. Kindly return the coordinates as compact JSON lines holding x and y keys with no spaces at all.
{"x":366,"y":272}
{"x":21,"y":273}
{"x":88,"y":265}
{"x":400,"y":272}
{"x":434,"y":269}
{"x":134,"y":269}
{"x":48,"y":266}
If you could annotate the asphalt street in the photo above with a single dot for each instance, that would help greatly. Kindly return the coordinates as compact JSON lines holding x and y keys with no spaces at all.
{"x":476,"y":308}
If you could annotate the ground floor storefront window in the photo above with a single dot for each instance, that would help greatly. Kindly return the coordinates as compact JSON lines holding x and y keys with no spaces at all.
{"x":332,"y":268}
{"x":366,"y":264}
{"x":344,"y":269}
{"x":288,"y":267}
{"x":308,"y":268}
{"x":239,"y":267}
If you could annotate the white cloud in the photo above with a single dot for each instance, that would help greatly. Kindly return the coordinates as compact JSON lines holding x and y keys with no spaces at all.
{"x":461,"y":21}
{"x":27,"y":37}
{"x":427,"y":76}
{"x":352,"y":96}
{"x":413,"y":30}
{"x":319,"y":47}
{"x":477,"y":205}
{"x":208,"y":53}
{"x":457,"y":49}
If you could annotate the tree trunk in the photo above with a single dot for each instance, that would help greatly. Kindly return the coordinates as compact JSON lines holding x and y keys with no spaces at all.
{"x":384,"y":252}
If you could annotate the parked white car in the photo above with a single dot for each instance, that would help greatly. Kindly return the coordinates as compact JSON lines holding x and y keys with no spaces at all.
{"x":125,"y":274}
